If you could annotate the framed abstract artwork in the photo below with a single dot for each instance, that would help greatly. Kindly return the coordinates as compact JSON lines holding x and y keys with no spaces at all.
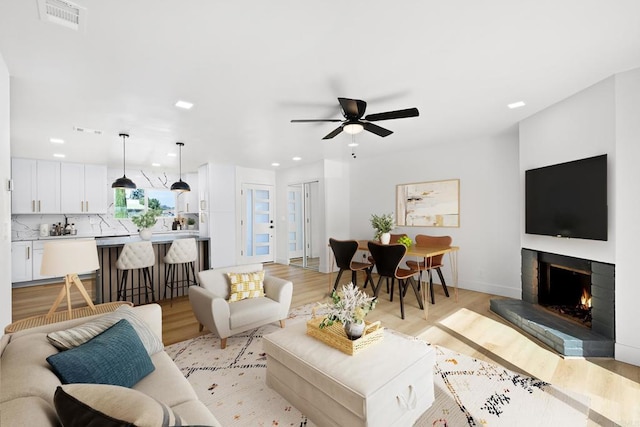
{"x":428,"y":204}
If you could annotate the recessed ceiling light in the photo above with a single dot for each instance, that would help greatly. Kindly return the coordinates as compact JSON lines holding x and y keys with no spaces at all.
{"x":56,"y":140}
{"x":155,"y":164}
{"x":516,"y":104}
{"x":353,"y":144}
{"x":296,"y":158}
{"x":171,"y":154}
{"x":275,"y":164}
{"x":59,"y":155}
{"x":184,"y":104}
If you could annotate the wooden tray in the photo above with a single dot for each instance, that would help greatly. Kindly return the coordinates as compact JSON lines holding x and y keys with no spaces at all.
{"x":336,"y":337}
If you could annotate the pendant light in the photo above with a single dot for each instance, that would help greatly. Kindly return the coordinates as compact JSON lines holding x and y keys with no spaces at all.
{"x":180,"y":186}
{"x":123,"y":182}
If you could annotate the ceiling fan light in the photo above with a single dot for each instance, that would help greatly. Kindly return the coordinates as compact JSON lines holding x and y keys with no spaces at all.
{"x":353,"y":128}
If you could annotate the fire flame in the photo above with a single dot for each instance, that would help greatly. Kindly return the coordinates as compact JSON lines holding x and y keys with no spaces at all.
{"x":585,"y":299}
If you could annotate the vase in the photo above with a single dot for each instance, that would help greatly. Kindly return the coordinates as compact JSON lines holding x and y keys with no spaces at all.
{"x":354,"y":330}
{"x":146,"y":233}
{"x":385,"y":238}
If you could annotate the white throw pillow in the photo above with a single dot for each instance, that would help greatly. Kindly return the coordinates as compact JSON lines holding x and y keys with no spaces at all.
{"x":73,"y":337}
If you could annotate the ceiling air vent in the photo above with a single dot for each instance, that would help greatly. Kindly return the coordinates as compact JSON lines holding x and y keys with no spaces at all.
{"x":63,"y":13}
{"x":87,"y":130}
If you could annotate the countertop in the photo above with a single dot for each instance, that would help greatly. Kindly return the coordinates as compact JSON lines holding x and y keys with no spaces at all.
{"x":165,"y":236}
{"x":156,"y":238}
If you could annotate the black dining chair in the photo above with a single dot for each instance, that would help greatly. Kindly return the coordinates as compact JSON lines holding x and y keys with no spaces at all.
{"x":387,"y":260}
{"x":343,"y":251}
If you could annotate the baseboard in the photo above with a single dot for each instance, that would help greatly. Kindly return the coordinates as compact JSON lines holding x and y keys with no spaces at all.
{"x":627,"y":354}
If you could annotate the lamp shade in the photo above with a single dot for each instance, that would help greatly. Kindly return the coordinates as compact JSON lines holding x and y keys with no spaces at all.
{"x":180,"y":186}
{"x":68,"y":257}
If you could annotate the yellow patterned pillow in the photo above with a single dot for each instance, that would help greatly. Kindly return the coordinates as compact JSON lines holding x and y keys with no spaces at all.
{"x":246,"y":285}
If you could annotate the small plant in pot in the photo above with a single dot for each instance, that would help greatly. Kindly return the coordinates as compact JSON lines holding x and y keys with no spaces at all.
{"x":145,"y":221}
{"x":382,"y":224}
{"x":191,"y":223}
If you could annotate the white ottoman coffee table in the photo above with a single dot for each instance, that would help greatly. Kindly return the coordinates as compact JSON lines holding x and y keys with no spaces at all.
{"x":387,"y":384}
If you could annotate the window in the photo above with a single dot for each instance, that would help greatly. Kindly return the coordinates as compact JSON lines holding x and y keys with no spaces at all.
{"x":130,"y":203}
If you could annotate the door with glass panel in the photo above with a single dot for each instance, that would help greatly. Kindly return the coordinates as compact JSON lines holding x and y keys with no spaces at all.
{"x":258,"y":226}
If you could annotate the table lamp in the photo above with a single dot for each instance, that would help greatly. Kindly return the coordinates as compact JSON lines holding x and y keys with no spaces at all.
{"x":68,"y":258}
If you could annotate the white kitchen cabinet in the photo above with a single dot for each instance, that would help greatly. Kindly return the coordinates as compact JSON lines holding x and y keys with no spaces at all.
{"x":189,"y":201}
{"x":83,"y":188}
{"x":21,"y":261}
{"x":38,"y":252}
{"x":36,"y":186}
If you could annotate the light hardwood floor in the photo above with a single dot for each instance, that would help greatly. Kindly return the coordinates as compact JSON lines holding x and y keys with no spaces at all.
{"x":467,"y":326}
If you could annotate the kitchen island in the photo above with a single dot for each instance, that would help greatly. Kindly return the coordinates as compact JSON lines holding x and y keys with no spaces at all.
{"x":107,"y":276}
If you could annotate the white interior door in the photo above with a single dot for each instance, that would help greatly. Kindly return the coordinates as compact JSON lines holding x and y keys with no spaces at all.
{"x":295,"y":223}
{"x":258,"y":226}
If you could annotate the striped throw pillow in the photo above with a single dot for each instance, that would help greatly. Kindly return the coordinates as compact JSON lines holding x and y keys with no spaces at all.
{"x":246,"y":285}
{"x":73,"y":337}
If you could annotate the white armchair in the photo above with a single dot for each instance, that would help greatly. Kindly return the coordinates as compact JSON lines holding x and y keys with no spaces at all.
{"x":213,"y":311}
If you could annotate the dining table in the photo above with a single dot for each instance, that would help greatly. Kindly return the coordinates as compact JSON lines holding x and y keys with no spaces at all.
{"x":426,"y":254}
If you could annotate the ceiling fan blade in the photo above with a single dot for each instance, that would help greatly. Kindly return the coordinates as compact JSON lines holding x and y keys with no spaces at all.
{"x":398,"y":114}
{"x":333,"y":133}
{"x":380,"y":131}
{"x":353,"y":108}
{"x":314,"y":120}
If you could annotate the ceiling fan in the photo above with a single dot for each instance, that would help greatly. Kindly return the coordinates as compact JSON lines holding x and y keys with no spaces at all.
{"x":353,"y":110}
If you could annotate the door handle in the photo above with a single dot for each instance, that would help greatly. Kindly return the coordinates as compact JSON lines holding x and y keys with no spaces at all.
{"x":28,"y":252}
{"x":87,"y":204}
{"x":33,"y":206}
{"x":39,"y":206}
{"x":81,"y":206}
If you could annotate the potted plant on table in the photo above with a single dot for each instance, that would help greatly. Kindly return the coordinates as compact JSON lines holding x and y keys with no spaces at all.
{"x":382,"y":224}
{"x":144,"y":223}
{"x":349,"y":306}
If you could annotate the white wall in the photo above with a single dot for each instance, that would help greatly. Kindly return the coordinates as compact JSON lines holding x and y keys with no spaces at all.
{"x":5,"y":200}
{"x":488,"y":236}
{"x":577,"y":127}
{"x":627,"y":177}
{"x":600,"y":119}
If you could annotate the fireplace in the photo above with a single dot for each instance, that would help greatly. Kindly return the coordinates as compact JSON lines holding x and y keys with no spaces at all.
{"x":568,"y":303}
{"x":565,"y":290}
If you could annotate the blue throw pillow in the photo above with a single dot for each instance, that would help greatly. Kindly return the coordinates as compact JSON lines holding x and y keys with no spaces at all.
{"x":116,"y":356}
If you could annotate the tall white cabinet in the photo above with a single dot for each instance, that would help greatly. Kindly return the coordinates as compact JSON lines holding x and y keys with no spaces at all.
{"x":36,"y":186}
{"x":83,"y":188}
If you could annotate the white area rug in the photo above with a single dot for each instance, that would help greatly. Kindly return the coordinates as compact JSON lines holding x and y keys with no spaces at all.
{"x":468,"y":392}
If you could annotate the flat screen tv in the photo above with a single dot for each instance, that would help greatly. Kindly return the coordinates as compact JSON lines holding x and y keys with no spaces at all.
{"x":568,"y":199}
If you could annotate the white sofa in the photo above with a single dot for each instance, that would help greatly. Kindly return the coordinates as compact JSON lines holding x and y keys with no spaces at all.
{"x":28,"y":382}
{"x":213,"y":311}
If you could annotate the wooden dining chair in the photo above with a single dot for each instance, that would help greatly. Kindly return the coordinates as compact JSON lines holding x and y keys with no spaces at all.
{"x":436,"y":261}
{"x":387,"y":260}
{"x":343,"y":251}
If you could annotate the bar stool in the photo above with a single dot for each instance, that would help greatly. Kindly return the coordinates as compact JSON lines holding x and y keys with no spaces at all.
{"x":136,"y":255}
{"x":182,"y":252}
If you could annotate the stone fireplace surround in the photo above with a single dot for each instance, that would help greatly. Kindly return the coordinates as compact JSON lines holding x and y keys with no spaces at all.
{"x":565,"y":336}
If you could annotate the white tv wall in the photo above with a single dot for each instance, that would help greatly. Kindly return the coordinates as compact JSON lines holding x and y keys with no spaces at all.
{"x":599,"y":119}
{"x":578,"y":127}
{"x":489,"y":233}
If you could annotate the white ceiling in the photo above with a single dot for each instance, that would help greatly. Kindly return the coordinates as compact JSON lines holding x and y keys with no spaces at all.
{"x":250,"y":66}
